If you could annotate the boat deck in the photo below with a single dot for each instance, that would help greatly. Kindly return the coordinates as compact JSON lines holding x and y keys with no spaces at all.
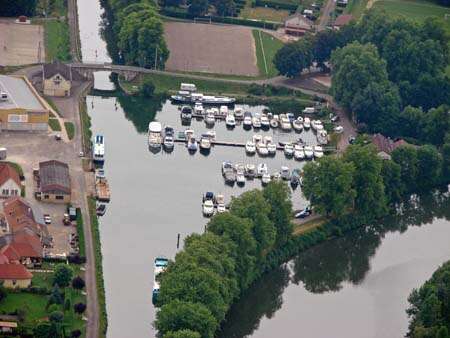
{"x":102,"y":190}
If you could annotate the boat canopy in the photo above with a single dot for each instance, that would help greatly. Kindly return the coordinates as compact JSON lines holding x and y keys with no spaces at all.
{"x":154,"y":127}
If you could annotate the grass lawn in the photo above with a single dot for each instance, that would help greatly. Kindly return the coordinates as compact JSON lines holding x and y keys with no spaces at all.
{"x":356,"y":8}
{"x":266,"y":48}
{"x":33,"y":304}
{"x":54,"y":124}
{"x":263,"y":13}
{"x":417,"y":10}
{"x":57,"y":40}
{"x":308,"y":226}
{"x":70,"y":128}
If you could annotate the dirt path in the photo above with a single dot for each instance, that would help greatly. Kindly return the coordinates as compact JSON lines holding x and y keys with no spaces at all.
{"x":325,"y":17}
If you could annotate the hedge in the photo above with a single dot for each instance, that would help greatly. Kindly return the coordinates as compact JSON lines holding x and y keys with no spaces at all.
{"x":276,"y":5}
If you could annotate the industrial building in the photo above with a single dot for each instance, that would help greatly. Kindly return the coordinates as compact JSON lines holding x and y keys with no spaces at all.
{"x":21,"y":107}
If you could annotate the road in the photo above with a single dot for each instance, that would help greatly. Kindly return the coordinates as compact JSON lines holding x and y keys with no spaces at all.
{"x":325,"y":17}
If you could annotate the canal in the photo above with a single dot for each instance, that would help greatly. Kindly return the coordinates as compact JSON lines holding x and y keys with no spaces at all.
{"x":351,"y":287}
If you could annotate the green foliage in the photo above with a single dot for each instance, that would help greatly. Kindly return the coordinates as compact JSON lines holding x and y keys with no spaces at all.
{"x":3,"y":293}
{"x":182,"y":334}
{"x":429,"y":167}
{"x":293,"y":57}
{"x":393,"y":186}
{"x":56,"y":317}
{"x":55,"y":297}
{"x":406,"y":157}
{"x":198,"y":7}
{"x":79,"y":308}
{"x":17,"y":7}
{"x":62,"y":275}
{"x":70,"y":129}
{"x":78,"y":283}
{"x":147,"y":88}
{"x":57,"y":40}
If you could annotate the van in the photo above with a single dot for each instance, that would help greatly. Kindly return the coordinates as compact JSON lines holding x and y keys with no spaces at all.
{"x":3,"y":96}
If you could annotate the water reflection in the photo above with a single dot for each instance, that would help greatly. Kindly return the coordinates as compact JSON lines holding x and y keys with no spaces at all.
{"x":326,"y":267}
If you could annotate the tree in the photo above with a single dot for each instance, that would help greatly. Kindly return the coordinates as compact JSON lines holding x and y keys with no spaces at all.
{"x":411,"y":122}
{"x":79,"y":308}
{"x":406,"y":157}
{"x":327,"y":184}
{"x":75,"y":334}
{"x":393,"y":186}
{"x":17,"y":7}
{"x":370,"y":200}
{"x":67,"y":304}
{"x":446,"y":163}
{"x":55,"y":297}
{"x":323,"y":44}
{"x":225,"y":7}
{"x":78,"y":283}
{"x":178,"y":315}
{"x":62,"y":275}
{"x":147,"y":88}
{"x":429,"y":167}
{"x":182,"y":334}
{"x":436,"y":125}
{"x":46,"y":330}
{"x":279,"y":197}
{"x":56,"y":317}
{"x":292,"y":58}
{"x":198,"y":7}
{"x":442,"y":333}
{"x":3,"y":293}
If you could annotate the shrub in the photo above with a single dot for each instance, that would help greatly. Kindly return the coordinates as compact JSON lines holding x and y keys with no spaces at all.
{"x":78,"y":283}
{"x":79,"y":308}
{"x":56,"y":316}
{"x":75,"y":334}
{"x":62,"y":275}
{"x":147,"y":88}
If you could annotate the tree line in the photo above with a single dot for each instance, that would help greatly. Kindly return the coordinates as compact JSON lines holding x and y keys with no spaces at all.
{"x":362,"y":185}
{"x":215,"y":267}
{"x":203,"y":7}
{"x":382,"y":68}
{"x":17,"y":7}
{"x":429,"y":309}
{"x":135,"y":32}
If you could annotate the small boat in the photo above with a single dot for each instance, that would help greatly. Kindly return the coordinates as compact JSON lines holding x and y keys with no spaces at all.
{"x":285,"y":173}
{"x":274,"y":123}
{"x":223,"y":110}
{"x":300,"y":119}
{"x":238,"y":113}
{"x":285,"y":123}
{"x":298,"y":126}
{"x":261,"y":147}
{"x":265,"y":178}
{"x":256,"y":121}
{"x":226,"y":166}
{"x":290,"y":117}
{"x":276,"y":176}
{"x":169,"y":131}
{"x":186,"y":114}
{"x":262,"y":169}
{"x":208,"y":196}
{"x":247,"y":124}
{"x":198,"y":108}
{"x":240,"y":174}
{"x":154,"y":135}
{"x":267,"y":139}
{"x":208,"y":208}
{"x":250,"y":171}
{"x":265,"y":123}
{"x":168,"y":143}
{"x":100,"y":210}
{"x":271,"y":148}
{"x":322,"y":137}
{"x":230,"y":121}
{"x":288,"y":150}
{"x":220,"y":200}
{"x":257,"y":138}
{"x":211,"y":134}
{"x":299,"y":153}
{"x":192,"y":145}
{"x":159,"y":267}
{"x":250,"y":147}
{"x":210,"y":119}
{"x":205,"y":144}
{"x":188,"y":133}
{"x":307,"y":123}
{"x":318,"y":151}
{"x":319,"y":128}
{"x":228,"y":172}
{"x":309,"y":152}
{"x":295,"y":178}
{"x":98,"y":151}
{"x":215,"y":111}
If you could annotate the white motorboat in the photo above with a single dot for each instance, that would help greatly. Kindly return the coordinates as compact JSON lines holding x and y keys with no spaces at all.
{"x":318,"y":151}
{"x":316,"y":125}
{"x":168,"y":142}
{"x":257,"y":138}
{"x":288,"y":150}
{"x":210,"y":119}
{"x":154,"y":135}
{"x":223,"y":110}
{"x":211,"y":134}
{"x":307,"y":123}
{"x":299,"y":153}
{"x":309,"y":152}
{"x":228,"y":173}
{"x":274,"y":123}
{"x":240,"y":174}
{"x":160,"y":265}
{"x":319,"y":128}
{"x":298,"y":126}
{"x":271,"y":148}
{"x":208,"y":208}
{"x":250,"y":147}
{"x":238,"y":113}
{"x":261,"y":169}
{"x":265,"y":123}
{"x":256,"y":121}
{"x":250,"y":171}
{"x":265,"y":178}
{"x":247,"y":124}
{"x":285,"y":173}
{"x":267,"y":139}
{"x":198,"y":108}
{"x":261,"y":147}
{"x":322,"y":137}
{"x":192,"y":144}
{"x":205,"y":144}
{"x":285,"y":123}
{"x":230,"y":121}
{"x":220,"y":201}
{"x":300,"y":119}
{"x":98,"y":151}
{"x":276,"y":176}
{"x":215,"y":111}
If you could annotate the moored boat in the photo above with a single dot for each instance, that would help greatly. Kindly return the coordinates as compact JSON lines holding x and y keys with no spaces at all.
{"x":309,"y":152}
{"x":98,"y":151}
{"x":160,"y":265}
{"x":318,"y":151}
{"x":288,"y":150}
{"x":297,"y":125}
{"x":250,"y":171}
{"x":154,"y":135}
{"x":250,"y":147}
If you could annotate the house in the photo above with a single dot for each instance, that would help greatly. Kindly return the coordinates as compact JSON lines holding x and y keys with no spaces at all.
{"x":7,"y":327}
{"x":54,"y":182}
{"x":386,"y":145}
{"x":21,"y":107}
{"x":25,"y":249}
{"x":342,"y":20}
{"x":15,"y":276}
{"x":297,"y":25}
{"x":19,"y":217}
{"x":59,"y":78}
{"x":10,"y":185}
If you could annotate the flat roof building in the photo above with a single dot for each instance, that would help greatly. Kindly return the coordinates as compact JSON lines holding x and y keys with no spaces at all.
{"x":21,"y":107}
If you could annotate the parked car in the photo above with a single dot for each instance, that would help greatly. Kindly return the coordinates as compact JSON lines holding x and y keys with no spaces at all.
{"x":58,"y":137}
{"x":47,"y":219}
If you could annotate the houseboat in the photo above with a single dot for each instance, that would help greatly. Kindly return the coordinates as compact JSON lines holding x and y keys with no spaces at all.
{"x":98,"y":152}
{"x":154,"y":135}
{"x":192,"y":98}
{"x":160,"y":266}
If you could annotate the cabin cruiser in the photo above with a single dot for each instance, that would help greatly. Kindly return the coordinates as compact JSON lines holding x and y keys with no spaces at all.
{"x":309,"y":152}
{"x":262,"y":169}
{"x":319,"y":127}
{"x":291,"y":117}
{"x":276,"y":176}
{"x":223,"y":110}
{"x":274,"y":123}
{"x":220,"y":200}
{"x":265,"y":178}
{"x":205,"y":144}
{"x":318,"y":151}
{"x":98,"y":152}
{"x":265,"y":123}
{"x":198,"y":108}
{"x":250,"y":171}
{"x":322,"y":137}
{"x":288,"y":150}
{"x":271,"y":148}
{"x":210,"y":119}
{"x":285,"y":173}
{"x":192,"y":144}
{"x":240,"y":174}
{"x":256,"y":121}
{"x":299,"y":153}
{"x":295,"y":178}
{"x":188,"y":133}
{"x":261,"y":147}
{"x":250,"y":147}
{"x":189,"y":98}
{"x":186,"y":114}
{"x":230,"y":121}
{"x":101,"y":209}
{"x":154,"y":135}
{"x":257,"y":138}
{"x":238,"y":113}
{"x":307,"y":123}
{"x":169,"y":131}
{"x":228,"y":172}
{"x":168,"y":143}
{"x":160,"y":265}
{"x":247,"y":124}
{"x":298,"y":126}
{"x":208,"y":208}
{"x":211,"y":134}
{"x":285,"y":123}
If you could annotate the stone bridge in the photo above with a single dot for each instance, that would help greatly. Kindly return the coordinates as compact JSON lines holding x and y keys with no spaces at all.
{"x":128,"y":72}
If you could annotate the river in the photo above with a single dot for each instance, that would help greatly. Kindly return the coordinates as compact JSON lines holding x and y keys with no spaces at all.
{"x":351,"y":287}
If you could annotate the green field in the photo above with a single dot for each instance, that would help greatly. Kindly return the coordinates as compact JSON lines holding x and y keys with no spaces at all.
{"x":266,"y":48}
{"x":32,"y":304}
{"x":264,"y":13}
{"x":57,"y":40}
{"x":417,"y":10}
{"x":54,"y":124}
{"x":356,"y":7}
{"x":70,"y":128}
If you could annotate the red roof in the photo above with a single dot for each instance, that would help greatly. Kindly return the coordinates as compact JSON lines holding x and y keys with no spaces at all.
{"x":19,"y":215}
{"x":385,"y":144}
{"x":16,"y":251}
{"x":8,"y":172}
{"x":3,"y":259}
{"x":343,"y":20}
{"x":14,"y":271}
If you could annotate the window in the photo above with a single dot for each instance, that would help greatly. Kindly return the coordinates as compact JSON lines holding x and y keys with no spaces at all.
{"x":5,"y":192}
{"x":59,"y":197}
{"x":46,"y":197}
{"x":14,"y":282}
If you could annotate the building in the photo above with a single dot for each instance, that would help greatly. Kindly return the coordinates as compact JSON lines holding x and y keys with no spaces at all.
{"x":298,"y":25}
{"x":25,"y":249}
{"x":21,"y":107}
{"x":7,"y":327}
{"x":58,"y":79}
{"x":19,"y":217}
{"x":10,"y":185}
{"x":386,"y":145}
{"x":342,"y":20}
{"x":54,"y":182}
{"x":15,"y":276}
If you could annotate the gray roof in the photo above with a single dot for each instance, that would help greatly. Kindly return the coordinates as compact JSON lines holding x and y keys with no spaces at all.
{"x":19,"y":94}
{"x":54,"y":177}
{"x":65,"y":71}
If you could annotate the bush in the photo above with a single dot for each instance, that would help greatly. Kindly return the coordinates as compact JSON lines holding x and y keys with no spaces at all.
{"x":62,"y":275}
{"x":75,"y":334}
{"x":276,"y":5}
{"x":78,"y":283}
{"x":79,"y":308}
{"x":56,"y":316}
{"x":147,"y":88}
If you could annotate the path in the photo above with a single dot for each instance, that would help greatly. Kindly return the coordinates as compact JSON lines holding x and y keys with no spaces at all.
{"x":325,"y":17}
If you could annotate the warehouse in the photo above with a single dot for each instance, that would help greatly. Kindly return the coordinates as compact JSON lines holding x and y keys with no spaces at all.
{"x":54,"y":182}
{"x":21,"y":107}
